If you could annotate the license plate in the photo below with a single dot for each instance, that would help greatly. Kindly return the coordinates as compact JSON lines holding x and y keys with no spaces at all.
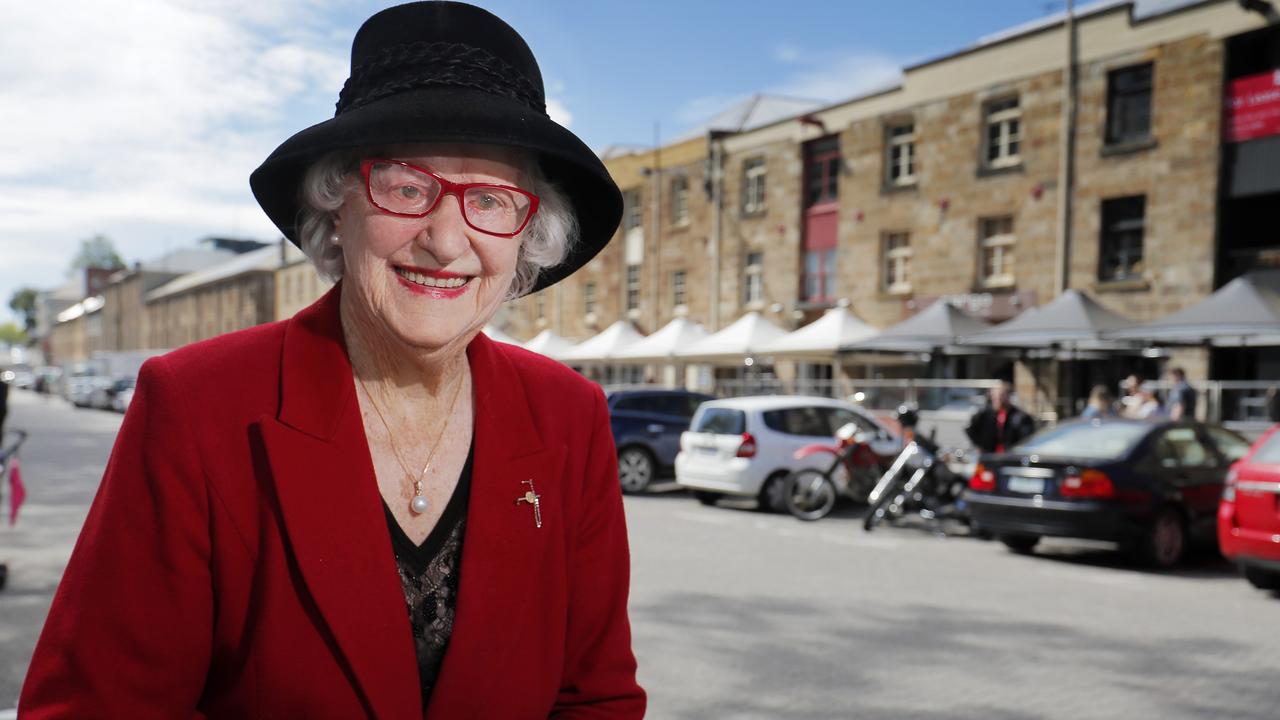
{"x":1027,"y":486}
{"x":707,"y":449}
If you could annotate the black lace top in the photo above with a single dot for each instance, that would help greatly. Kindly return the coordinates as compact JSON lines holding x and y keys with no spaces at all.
{"x":429,"y":577}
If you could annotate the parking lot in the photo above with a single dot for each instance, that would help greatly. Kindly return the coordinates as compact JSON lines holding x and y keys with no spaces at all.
{"x":742,"y":614}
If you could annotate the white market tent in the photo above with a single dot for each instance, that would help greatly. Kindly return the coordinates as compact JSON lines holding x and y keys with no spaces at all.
{"x":549,"y":344}
{"x":1244,"y":312}
{"x":604,"y":346}
{"x":1073,"y":320}
{"x":498,"y":336}
{"x":663,"y":345}
{"x":822,"y":338}
{"x":748,"y":335}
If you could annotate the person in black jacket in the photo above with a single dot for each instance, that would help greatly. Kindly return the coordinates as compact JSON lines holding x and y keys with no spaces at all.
{"x":1001,"y":424}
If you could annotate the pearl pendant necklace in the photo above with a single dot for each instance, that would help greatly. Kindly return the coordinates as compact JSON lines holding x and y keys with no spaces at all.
{"x":418,"y":504}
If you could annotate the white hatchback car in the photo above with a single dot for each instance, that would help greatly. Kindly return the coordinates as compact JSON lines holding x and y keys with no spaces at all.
{"x":745,"y":446}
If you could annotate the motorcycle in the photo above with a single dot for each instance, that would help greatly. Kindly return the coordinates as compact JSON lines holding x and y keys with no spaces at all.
{"x":811,"y":493}
{"x":919,"y":482}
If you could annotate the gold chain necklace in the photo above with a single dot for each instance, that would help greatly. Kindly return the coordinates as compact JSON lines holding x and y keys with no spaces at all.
{"x":419,"y":502}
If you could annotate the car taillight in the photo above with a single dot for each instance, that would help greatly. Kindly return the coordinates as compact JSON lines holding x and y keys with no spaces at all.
{"x":748,"y":447}
{"x":983,"y":480}
{"x":1229,"y":485}
{"x":1087,"y":484}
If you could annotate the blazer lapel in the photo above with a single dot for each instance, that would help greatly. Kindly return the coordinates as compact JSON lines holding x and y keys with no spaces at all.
{"x":332,"y":512}
{"x":503,"y":549}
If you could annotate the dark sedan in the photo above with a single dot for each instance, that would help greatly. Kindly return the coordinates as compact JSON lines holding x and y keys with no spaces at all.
{"x":647,"y":423}
{"x":1149,"y":486}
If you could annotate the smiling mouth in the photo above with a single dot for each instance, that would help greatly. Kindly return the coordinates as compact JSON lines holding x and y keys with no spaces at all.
{"x":416,"y":278}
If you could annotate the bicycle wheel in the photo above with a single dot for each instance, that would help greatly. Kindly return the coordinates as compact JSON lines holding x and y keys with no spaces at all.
{"x":809,"y":494}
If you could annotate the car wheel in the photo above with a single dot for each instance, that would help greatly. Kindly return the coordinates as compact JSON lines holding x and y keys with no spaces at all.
{"x":635,"y":469}
{"x":1165,"y":539}
{"x":706,"y":497}
{"x":1261,"y":578}
{"x":809,"y":494}
{"x":1021,"y":544}
{"x":773,"y":495}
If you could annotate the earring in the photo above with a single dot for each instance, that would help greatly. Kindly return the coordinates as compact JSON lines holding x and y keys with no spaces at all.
{"x":334,"y":239}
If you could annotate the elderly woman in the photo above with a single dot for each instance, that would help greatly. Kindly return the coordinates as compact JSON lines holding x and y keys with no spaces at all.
{"x":371,"y":510}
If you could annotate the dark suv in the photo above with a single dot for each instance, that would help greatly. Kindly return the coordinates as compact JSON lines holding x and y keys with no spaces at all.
{"x":646,"y":425}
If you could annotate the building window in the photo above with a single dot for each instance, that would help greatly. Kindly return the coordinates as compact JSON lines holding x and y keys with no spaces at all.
{"x":822,"y":170}
{"x":1129,"y":104}
{"x":1004,"y":134}
{"x":633,"y":287}
{"x":680,"y":200}
{"x":589,"y":299}
{"x":819,"y":275}
{"x":540,"y":306}
{"x":901,"y":154}
{"x":633,"y":210}
{"x":753,"y":185}
{"x":995,"y":249}
{"x":677,"y":288}
{"x":897,"y":262}
{"x":753,"y":282}
{"x":1120,"y":254}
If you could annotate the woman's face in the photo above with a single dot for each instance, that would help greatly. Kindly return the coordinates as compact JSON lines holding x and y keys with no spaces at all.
{"x":434,"y":280}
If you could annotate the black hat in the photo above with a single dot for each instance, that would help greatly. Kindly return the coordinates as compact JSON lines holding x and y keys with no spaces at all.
{"x":446,"y":72}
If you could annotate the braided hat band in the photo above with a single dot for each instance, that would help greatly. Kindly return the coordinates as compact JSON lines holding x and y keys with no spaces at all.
{"x":425,"y":64}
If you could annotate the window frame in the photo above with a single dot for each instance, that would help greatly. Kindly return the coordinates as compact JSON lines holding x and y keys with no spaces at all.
{"x":632,"y":209}
{"x":997,"y":113}
{"x":632,"y":288}
{"x":897,"y":257}
{"x":679,"y":285}
{"x":755,"y":172}
{"x":825,"y":275}
{"x":679,"y":201}
{"x":1005,"y":244}
{"x":893,"y":140}
{"x":589,"y":298}
{"x":1111,"y":239}
{"x":753,"y":278}
{"x":1112,"y":133}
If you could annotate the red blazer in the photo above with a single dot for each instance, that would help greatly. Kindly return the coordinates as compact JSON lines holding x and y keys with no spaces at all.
{"x":236,"y":562}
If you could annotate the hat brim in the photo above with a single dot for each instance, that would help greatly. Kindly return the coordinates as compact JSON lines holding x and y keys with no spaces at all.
{"x":452,"y":115}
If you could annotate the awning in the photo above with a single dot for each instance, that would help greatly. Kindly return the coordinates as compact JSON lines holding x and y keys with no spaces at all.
{"x":498,"y":336}
{"x":549,"y":344}
{"x":822,"y":338}
{"x":1072,"y":320}
{"x":662,"y":345}
{"x":1244,"y":312}
{"x":938,"y":327}
{"x":746,"y":336}
{"x":604,"y":346}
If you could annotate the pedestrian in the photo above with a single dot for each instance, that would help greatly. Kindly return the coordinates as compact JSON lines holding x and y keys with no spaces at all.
{"x":1146,"y":404}
{"x":999,"y":425}
{"x":1101,"y":403}
{"x":1129,"y":399}
{"x":5,"y":377}
{"x":1181,"y":399}
{"x":371,"y":509}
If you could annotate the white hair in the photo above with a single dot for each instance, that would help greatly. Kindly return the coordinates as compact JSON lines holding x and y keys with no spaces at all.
{"x":551,"y":234}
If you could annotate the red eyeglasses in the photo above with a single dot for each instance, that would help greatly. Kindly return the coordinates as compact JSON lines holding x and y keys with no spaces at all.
{"x":404,"y":190}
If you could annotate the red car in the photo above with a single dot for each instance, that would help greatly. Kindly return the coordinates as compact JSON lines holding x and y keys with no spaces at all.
{"x":1249,"y":514}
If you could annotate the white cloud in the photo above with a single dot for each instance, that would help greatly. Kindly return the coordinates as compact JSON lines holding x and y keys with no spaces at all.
{"x":558,"y":112}
{"x":787,"y":53}
{"x":143,"y":120}
{"x":840,"y":76}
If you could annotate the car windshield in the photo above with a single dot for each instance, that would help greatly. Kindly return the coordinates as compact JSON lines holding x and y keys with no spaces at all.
{"x":721,"y":421}
{"x":1094,"y":440}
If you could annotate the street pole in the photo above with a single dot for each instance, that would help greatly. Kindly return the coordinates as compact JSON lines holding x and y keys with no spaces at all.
{"x":1066,"y":162}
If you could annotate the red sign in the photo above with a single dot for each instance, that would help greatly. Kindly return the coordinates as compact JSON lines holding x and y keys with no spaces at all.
{"x":1253,"y":107}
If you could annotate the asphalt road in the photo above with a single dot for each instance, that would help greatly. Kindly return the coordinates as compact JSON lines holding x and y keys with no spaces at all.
{"x":739,"y":614}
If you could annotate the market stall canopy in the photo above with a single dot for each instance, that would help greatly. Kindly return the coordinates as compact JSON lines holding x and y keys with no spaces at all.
{"x":822,"y":338}
{"x":549,"y":344}
{"x":937,"y":327}
{"x":1244,"y":312}
{"x":663,"y":345}
{"x":605,"y":346}
{"x":746,"y":336}
{"x":1073,"y":320}
{"x":497,"y":335}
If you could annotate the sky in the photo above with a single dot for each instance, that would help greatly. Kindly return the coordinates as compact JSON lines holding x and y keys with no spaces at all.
{"x":142,"y":119}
